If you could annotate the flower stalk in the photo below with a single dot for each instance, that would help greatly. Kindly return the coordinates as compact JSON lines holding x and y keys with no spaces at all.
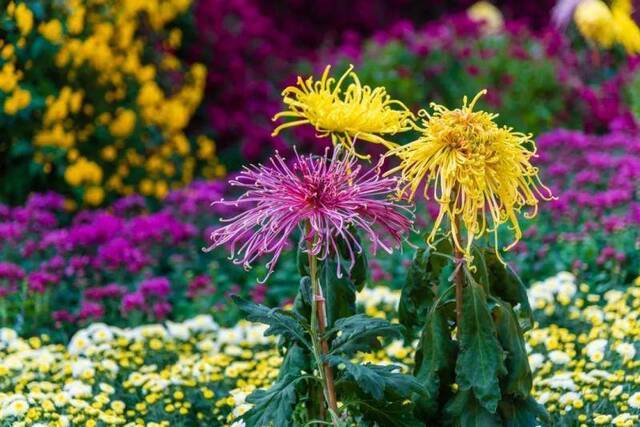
{"x":320,"y":345}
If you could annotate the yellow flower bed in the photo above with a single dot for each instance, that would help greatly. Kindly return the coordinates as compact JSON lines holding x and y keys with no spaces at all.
{"x":94,"y":97}
{"x":586,"y":370}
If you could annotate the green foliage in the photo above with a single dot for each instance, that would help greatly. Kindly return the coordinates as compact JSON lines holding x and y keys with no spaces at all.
{"x":370,"y":394}
{"x":360,"y":333}
{"x":480,"y":361}
{"x":487,"y":361}
{"x":287,"y":324}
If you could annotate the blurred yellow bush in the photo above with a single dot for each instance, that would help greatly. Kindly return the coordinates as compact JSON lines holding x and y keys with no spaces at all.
{"x":95,"y":101}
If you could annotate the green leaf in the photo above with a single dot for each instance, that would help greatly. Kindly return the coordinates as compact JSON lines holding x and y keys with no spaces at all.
{"x":481,"y":273}
{"x":273,"y":406}
{"x":518,"y":380}
{"x":295,"y":361}
{"x":435,"y":362}
{"x":506,"y":284}
{"x":360,"y":270}
{"x":360,"y":333}
{"x":288,"y":324}
{"x":375,"y":380}
{"x":468,"y":412}
{"x":417,"y":295}
{"x":522,"y":412}
{"x":339,"y":293}
{"x":481,"y":359}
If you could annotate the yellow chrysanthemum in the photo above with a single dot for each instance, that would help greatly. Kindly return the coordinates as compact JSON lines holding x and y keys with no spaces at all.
{"x":595,"y":22}
{"x":480,"y":173}
{"x":488,"y":15}
{"x":605,"y":26}
{"x":359,"y":112}
{"x":627,"y":31}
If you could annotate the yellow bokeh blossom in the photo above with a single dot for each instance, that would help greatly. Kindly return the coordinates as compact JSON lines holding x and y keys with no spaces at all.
{"x":52,"y":31}
{"x":123,"y":124}
{"x":83,"y":171}
{"x":346,"y":115}
{"x":481,"y":173}
{"x":94,"y":195}
{"x":20,"y":99}
{"x":606,"y":26}
{"x":488,"y":15}
{"x":627,"y":31}
{"x":24,"y":19}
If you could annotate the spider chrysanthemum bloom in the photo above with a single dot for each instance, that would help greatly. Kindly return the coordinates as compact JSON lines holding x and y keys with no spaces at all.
{"x":480,"y":173}
{"x":329,"y":199}
{"x":348,"y":114}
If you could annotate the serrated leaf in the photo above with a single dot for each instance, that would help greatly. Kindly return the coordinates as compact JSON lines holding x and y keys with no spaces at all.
{"x":435,"y":362}
{"x":466,"y":411}
{"x":273,"y":406}
{"x":523,"y":413}
{"x":481,"y":359}
{"x":339,"y":293}
{"x":295,"y":361}
{"x":360,"y":333}
{"x":375,"y":380}
{"x":505,"y":284}
{"x":518,"y":381}
{"x":288,"y":324}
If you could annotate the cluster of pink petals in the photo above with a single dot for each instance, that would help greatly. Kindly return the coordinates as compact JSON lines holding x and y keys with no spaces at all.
{"x":327,"y":198}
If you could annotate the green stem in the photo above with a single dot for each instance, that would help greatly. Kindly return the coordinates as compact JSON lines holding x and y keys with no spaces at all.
{"x":320,"y":347}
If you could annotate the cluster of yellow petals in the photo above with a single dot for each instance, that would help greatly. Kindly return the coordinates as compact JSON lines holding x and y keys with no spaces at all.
{"x":357,"y":112}
{"x":480,"y":173}
{"x":606,"y":26}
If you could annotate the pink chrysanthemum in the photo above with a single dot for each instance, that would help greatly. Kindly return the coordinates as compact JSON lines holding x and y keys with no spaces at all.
{"x":328,"y":198}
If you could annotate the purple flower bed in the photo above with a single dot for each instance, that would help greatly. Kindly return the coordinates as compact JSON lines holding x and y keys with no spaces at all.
{"x":121,"y":265}
{"x":593,"y":225}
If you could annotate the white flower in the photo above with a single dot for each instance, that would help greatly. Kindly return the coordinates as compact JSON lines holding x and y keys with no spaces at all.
{"x":79,"y":343}
{"x":76,"y":389}
{"x":202,"y":323}
{"x":14,"y":406}
{"x":536,"y":360}
{"x":82,"y":367}
{"x":634,"y":400}
{"x":240,"y":410}
{"x":100,"y":333}
{"x":626,"y":350}
{"x":561,"y":381}
{"x":569,"y":397}
{"x":559,"y":357}
{"x":178,"y":330}
{"x":596,"y":349}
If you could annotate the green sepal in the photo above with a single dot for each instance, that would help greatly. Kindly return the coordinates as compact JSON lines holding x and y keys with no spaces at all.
{"x":481,"y":359}
{"x":519,"y":379}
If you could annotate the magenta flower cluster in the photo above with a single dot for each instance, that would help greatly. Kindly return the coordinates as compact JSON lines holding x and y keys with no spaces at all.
{"x":119,"y":261}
